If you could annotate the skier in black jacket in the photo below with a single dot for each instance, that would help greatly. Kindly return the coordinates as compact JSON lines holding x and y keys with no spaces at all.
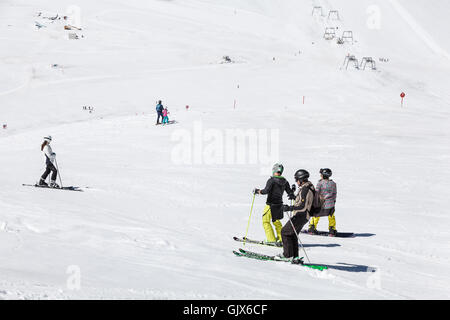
{"x":273,"y":211}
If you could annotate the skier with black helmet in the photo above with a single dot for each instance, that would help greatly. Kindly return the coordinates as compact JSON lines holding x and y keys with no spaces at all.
{"x":326,"y":190}
{"x":273,"y":211}
{"x":300,"y":216}
{"x":50,"y":157}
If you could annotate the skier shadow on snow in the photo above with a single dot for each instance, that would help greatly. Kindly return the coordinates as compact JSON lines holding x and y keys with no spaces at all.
{"x":363,"y":235}
{"x":322,"y":245}
{"x":350,"y":267}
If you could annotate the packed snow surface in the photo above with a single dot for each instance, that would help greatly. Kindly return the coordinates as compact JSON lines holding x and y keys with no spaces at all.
{"x":153,"y":222}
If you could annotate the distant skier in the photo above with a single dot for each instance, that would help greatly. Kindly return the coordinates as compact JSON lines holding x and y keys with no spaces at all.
{"x":165,"y":113}
{"x":273,"y":211}
{"x":326,"y":190}
{"x":159,"y":111}
{"x":49,"y":160}
{"x":300,"y":216}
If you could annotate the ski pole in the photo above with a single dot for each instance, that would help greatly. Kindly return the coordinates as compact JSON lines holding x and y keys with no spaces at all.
{"x":59,"y":173}
{"x":298,"y":238}
{"x":248,"y":224}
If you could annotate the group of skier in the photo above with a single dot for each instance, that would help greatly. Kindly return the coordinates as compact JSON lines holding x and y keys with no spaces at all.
{"x":308,"y":205}
{"x":162,"y":113}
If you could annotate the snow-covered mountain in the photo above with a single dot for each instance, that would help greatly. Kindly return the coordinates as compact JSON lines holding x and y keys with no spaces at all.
{"x":161,"y":203}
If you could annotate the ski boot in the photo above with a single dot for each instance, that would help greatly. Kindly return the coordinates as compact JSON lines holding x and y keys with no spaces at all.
{"x":278,"y":242}
{"x":332,"y":232}
{"x":312,"y":229}
{"x":274,"y":243}
{"x":42,"y":183}
{"x":53,"y":184}
{"x":297,"y":260}
{"x":281,"y":257}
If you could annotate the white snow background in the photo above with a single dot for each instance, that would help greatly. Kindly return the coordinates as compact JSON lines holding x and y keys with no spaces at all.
{"x":150,"y":227}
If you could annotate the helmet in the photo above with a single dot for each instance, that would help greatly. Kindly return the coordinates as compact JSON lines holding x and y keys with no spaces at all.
{"x":48,"y":138}
{"x":301,"y":175}
{"x":277,"y":167}
{"x":326,"y":173}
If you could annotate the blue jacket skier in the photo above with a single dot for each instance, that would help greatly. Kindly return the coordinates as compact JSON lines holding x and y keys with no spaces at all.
{"x":159,"y":111}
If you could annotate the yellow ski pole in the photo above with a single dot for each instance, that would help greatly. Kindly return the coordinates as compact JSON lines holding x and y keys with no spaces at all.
{"x":249,"y":218}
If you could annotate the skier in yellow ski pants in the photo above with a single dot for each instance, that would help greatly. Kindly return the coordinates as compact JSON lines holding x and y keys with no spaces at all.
{"x":266,"y":219}
{"x":273,"y":211}
{"x":327,"y":192}
{"x":331,"y":222}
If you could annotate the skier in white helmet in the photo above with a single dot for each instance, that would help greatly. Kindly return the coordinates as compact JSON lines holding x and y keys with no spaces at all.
{"x":49,"y":161}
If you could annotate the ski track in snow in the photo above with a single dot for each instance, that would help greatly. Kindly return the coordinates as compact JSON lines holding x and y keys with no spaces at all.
{"x":418,"y":30}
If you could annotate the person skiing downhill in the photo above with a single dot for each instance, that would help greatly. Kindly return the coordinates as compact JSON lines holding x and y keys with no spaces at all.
{"x":159,"y":111}
{"x":275,"y":187}
{"x":300,"y":216}
{"x":50,"y":167}
{"x":326,"y":190}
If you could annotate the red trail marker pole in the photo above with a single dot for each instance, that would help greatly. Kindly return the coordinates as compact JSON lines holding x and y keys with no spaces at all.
{"x":402,"y":95}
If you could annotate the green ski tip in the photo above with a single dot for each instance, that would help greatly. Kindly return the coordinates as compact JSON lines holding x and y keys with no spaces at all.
{"x":253,"y":255}
{"x":312,"y":266}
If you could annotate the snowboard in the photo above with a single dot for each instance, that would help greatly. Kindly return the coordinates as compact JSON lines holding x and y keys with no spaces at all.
{"x":326,"y":234}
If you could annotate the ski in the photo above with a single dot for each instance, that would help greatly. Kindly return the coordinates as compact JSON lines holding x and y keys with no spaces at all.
{"x":71,"y":188}
{"x":264,"y":243}
{"x":326,"y":234}
{"x":258,"y":256}
{"x":167,"y":123}
{"x":264,"y":257}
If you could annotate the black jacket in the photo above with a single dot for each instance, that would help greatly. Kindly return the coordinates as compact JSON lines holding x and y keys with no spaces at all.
{"x":274,"y":189}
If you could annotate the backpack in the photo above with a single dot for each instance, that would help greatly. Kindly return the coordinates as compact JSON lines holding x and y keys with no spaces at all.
{"x":317,"y":203}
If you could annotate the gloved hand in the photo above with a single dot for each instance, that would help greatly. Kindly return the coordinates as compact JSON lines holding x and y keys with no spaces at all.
{"x":291,"y":196}
{"x":287,"y":208}
{"x":294,"y":187}
{"x":256,"y":191}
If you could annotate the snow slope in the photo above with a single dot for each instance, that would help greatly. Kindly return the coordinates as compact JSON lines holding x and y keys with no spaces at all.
{"x":150,"y":226}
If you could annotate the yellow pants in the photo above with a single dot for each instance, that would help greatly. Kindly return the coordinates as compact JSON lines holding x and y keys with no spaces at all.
{"x":331,"y":222}
{"x":266,"y":220}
